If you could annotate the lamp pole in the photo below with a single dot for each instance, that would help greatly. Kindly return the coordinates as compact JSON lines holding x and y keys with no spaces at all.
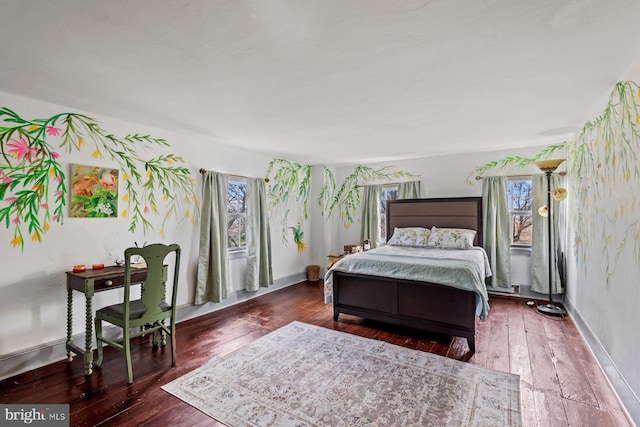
{"x":550,"y":308}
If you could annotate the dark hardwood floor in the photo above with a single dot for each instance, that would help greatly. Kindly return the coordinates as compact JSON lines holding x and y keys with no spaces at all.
{"x":561,"y":383}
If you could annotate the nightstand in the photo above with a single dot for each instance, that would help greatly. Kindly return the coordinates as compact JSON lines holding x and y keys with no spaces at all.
{"x":335,"y":258}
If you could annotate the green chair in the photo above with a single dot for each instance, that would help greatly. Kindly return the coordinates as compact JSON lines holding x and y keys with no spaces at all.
{"x":147,"y":314}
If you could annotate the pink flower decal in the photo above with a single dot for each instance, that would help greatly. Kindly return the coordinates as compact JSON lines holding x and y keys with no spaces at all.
{"x":19,"y":148}
{"x":52,"y":131}
{"x":54,"y":155}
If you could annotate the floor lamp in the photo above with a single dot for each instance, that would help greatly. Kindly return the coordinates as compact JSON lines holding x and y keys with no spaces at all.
{"x":548,"y":167}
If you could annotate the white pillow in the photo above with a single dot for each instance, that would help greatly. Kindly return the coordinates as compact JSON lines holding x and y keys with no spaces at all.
{"x":409,"y":236}
{"x":451,"y":238}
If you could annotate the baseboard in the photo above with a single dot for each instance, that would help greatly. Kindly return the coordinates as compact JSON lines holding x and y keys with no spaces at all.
{"x":191,"y":311}
{"x":513,"y":290}
{"x":627,"y":397}
{"x":523,"y":291}
{"x":44,"y":354}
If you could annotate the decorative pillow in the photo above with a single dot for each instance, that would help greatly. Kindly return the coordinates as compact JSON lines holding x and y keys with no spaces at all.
{"x":409,"y":236}
{"x":451,"y":238}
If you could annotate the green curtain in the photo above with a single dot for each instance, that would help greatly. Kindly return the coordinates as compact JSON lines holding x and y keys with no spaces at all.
{"x":370,"y":221}
{"x":213,"y":259}
{"x":496,"y":230}
{"x":259,"y":269}
{"x":409,"y":190}
{"x":540,"y":242}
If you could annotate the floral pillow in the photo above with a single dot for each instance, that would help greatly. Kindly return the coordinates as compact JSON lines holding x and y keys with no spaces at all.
{"x":409,"y":236}
{"x":451,"y":238}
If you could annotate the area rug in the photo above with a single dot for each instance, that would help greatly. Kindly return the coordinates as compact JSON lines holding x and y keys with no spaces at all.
{"x":305,"y":375}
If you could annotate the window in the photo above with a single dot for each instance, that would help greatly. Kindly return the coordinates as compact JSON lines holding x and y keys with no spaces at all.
{"x":519,"y":200}
{"x":388,"y":193}
{"x":236,"y":216}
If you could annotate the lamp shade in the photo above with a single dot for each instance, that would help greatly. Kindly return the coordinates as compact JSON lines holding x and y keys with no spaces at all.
{"x":559,"y":194}
{"x":548,"y":165}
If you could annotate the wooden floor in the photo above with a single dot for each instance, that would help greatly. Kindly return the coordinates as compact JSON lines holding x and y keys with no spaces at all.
{"x":561,"y":384}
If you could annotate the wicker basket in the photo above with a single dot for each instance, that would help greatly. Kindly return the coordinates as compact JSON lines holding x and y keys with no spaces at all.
{"x":313,"y":273}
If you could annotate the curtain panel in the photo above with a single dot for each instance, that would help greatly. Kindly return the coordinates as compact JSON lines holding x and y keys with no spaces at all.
{"x":213,"y":260}
{"x":259,"y":265}
{"x":496,"y":230}
{"x":409,"y":190}
{"x":540,"y":242}
{"x":370,"y":221}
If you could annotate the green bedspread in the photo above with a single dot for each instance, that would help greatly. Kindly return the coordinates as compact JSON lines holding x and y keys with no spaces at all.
{"x":461,"y":269}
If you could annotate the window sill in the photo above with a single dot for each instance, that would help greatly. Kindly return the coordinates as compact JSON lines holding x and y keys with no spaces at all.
{"x":521,"y":250}
{"x":240,"y":253}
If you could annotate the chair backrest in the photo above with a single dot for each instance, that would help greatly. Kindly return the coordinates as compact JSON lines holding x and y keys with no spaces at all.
{"x":154,"y":292}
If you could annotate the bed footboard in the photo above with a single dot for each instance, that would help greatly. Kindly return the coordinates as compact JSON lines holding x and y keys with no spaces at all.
{"x":421,"y":305}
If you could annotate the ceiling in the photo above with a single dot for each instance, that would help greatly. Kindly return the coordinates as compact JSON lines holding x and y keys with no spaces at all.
{"x":327,"y":81}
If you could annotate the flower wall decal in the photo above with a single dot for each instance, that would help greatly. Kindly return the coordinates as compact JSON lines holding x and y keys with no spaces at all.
{"x":33,"y":186}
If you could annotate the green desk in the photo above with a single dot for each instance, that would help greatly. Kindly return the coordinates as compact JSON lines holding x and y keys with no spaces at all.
{"x":89,"y":282}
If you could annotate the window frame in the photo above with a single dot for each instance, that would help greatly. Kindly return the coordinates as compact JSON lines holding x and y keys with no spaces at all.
{"x":382,"y":226}
{"x":232,"y":216}
{"x":513,"y":212}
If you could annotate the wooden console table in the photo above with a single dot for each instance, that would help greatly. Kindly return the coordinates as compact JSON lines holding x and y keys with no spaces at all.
{"x":89,"y":282}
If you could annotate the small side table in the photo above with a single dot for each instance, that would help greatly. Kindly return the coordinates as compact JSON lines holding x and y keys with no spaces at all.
{"x":335,"y":258}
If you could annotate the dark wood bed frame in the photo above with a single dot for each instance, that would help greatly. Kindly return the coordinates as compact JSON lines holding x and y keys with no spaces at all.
{"x":421,"y":305}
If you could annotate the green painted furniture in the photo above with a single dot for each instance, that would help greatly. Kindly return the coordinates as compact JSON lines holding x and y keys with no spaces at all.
{"x":148,"y":314}
{"x":89,"y":283}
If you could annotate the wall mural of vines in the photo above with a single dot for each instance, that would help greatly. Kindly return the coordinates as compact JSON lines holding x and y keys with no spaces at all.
{"x":33,"y":187}
{"x":290,"y":186}
{"x":604,"y":177}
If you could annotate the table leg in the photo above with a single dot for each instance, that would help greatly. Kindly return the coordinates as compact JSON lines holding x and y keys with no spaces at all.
{"x":69,"y":323}
{"x":88,"y":352}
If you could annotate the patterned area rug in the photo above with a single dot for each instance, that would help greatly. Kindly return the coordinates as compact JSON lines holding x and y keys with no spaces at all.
{"x":305,"y":375}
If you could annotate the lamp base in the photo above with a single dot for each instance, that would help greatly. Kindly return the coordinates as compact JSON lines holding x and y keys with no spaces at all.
{"x":551,"y":310}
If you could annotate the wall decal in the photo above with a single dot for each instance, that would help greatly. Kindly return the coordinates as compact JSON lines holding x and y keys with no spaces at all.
{"x":94,"y":192}
{"x":604,"y":173}
{"x":290,"y":186}
{"x":604,"y":179}
{"x":298,"y":235}
{"x":32,"y":183}
{"x":347,"y":198}
{"x":513,"y":162}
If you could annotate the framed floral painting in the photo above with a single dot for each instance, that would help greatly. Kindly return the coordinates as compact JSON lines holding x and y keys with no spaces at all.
{"x":94,"y":192}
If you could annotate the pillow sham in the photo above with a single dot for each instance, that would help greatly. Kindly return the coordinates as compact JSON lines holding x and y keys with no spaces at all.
{"x":409,"y":236}
{"x":451,"y":238}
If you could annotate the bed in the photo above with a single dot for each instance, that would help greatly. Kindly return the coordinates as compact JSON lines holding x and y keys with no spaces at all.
{"x":447,"y":304}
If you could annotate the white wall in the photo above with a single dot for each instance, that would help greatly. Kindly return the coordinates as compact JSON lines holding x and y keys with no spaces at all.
{"x":32,"y":282}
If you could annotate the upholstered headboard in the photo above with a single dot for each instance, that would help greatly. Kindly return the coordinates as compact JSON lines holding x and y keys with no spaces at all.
{"x":454,"y":212}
